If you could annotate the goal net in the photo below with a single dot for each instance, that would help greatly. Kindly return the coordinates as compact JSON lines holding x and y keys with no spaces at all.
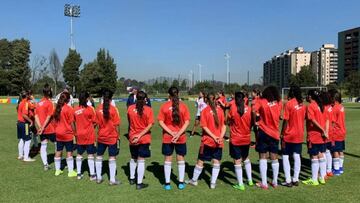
{"x":304,"y":90}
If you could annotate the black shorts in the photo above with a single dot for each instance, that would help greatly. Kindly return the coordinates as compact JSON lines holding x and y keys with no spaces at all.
{"x":207,"y":153}
{"x":168,"y":149}
{"x":329,"y":145}
{"x":197,"y":118}
{"x":141,"y":150}
{"x":51,"y":137}
{"x":90,"y":149}
{"x":23,"y":131}
{"x":113,"y":149}
{"x":266,"y":143}
{"x":69,"y":146}
{"x":315,"y":149}
{"x":338,"y":147}
{"x":237,"y":152}
{"x":291,"y":148}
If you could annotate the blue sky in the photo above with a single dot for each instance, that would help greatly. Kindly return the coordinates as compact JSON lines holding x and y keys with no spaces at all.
{"x":150,"y":38}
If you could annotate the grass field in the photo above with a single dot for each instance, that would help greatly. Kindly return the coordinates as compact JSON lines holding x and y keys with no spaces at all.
{"x":27,"y":182}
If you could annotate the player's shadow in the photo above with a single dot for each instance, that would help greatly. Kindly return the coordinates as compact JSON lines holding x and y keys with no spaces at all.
{"x":50,"y":158}
{"x":34,"y":151}
{"x":126,"y":170}
{"x":158,"y":171}
{"x":352,"y":155}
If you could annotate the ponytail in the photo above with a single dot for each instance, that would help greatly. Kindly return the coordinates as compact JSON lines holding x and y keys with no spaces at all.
{"x":315,"y":95}
{"x":64,"y":99}
{"x":83,"y":99}
{"x":240,"y":103}
{"x":174,"y":95}
{"x":140,"y":102}
{"x":211,"y":101}
{"x":107,"y":96}
{"x":295,"y":92}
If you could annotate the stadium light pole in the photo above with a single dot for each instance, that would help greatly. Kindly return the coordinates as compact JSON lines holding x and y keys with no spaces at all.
{"x":200,"y":66}
{"x":72,"y":11}
{"x":227,"y":58}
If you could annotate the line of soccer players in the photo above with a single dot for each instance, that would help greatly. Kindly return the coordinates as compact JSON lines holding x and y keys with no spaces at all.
{"x":64,"y":125}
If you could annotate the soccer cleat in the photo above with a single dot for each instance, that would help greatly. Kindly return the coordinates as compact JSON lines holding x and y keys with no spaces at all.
{"x":212,"y":185}
{"x":341,"y":170}
{"x":322,"y":181}
{"x":47,"y":167}
{"x":181,"y":186}
{"x":250,"y":183}
{"x":191,"y":182}
{"x":79,"y":176}
{"x":295,"y":183}
{"x":93,"y":178}
{"x":285,"y":184}
{"x":329,"y":175}
{"x":20,"y":158}
{"x":310,"y":181}
{"x":336,"y":172}
{"x":274,"y":185}
{"x":239,"y":187}
{"x":99,"y":181}
{"x":132,"y":181}
{"x":167,"y":187}
{"x":72,"y":174}
{"x":141,"y":186}
{"x":116,"y":182}
{"x":261,"y":186}
{"x":29,"y":160}
{"x":58,"y":172}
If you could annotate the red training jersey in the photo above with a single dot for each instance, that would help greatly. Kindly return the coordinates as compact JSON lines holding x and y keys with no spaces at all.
{"x":269,"y":117}
{"x":207,"y":120}
{"x":23,"y":108}
{"x":294,"y":114}
{"x":240,"y":126}
{"x":63,"y":129}
{"x":108,"y":133}
{"x":338,"y":122}
{"x":314,"y":134}
{"x":138,"y":123}
{"x":85,"y":118}
{"x":44,"y":109}
{"x":329,"y":112}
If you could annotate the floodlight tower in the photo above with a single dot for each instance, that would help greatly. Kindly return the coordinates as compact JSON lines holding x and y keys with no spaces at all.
{"x":227,"y":58}
{"x":72,"y":11}
{"x":200,"y":66}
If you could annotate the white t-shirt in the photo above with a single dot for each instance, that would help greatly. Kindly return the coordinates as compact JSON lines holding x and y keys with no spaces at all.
{"x":201,"y":105}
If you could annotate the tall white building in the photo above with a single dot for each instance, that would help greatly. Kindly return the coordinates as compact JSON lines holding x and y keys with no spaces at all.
{"x":299,"y":58}
{"x":325,"y":64}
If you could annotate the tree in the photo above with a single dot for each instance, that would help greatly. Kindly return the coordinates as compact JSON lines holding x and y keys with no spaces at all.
{"x":183,"y":85}
{"x":352,"y":84}
{"x":304,"y":78}
{"x":91,"y":77}
{"x":55,"y":68}
{"x":107,"y":70}
{"x":71,"y":69}
{"x":231,"y":88}
{"x":5,"y":66}
{"x":175,"y":83}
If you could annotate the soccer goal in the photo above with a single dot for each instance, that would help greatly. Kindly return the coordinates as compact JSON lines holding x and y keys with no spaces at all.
{"x":285,"y":90}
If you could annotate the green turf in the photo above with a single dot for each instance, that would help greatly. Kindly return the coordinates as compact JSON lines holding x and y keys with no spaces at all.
{"x":27,"y":182}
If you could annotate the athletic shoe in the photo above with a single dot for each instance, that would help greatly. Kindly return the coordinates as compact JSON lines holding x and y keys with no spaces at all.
{"x":336,"y":172}
{"x":341,"y":170}
{"x":212,"y":185}
{"x":295,"y":183}
{"x":250,"y":183}
{"x":29,"y":160}
{"x":191,"y":182}
{"x":167,"y":187}
{"x":58,"y":172}
{"x":79,"y":176}
{"x":72,"y":174}
{"x":285,"y":184}
{"x":322,"y":181}
{"x":310,"y":181}
{"x":20,"y":158}
{"x":132,"y":181}
{"x":93,"y":178}
{"x":116,"y":182}
{"x":239,"y":187}
{"x":46,"y":167}
{"x":99,"y":181}
{"x":329,"y":175}
{"x":141,"y":186}
{"x":181,"y":186}
{"x":274,"y":185}
{"x":261,"y":186}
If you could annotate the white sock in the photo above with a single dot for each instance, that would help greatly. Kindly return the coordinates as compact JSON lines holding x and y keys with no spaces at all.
{"x":263,"y":171}
{"x":286,"y":166}
{"x":78,"y":164}
{"x":98,"y":164}
{"x":70,"y":163}
{"x":57,"y":161}
{"x":140,"y":171}
{"x":328,"y":161}
{"x":248,"y":169}
{"x":322,"y":164}
{"x":336,"y":162}
{"x":215,"y":173}
{"x":21,"y":147}
{"x":197,"y":172}
{"x":297,"y":166}
{"x":181,"y":170}
{"x":43,"y":152}
{"x":315,"y":169}
{"x":91,"y":164}
{"x":167,"y":171}
{"x":275,"y":168}
{"x":112,"y":167}
{"x":341,"y":161}
{"x":239,"y":174}
{"x":132,"y":168}
{"x":27,"y":149}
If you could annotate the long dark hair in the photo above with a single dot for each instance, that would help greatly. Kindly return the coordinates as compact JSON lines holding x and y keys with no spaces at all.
{"x":295,"y":92}
{"x":107,"y":96}
{"x":326,"y":98}
{"x":335,"y":95}
{"x":140,"y":102}
{"x":211,"y":102}
{"x":47,"y":92}
{"x":22,"y":95}
{"x":315,"y":95}
{"x":271,"y":93}
{"x":174,"y":96}
{"x":83,"y":99}
{"x":240,"y":103}
{"x":63,"y":100}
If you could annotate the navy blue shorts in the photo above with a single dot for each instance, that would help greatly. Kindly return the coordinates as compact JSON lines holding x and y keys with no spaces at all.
{"x":23,"y":131}
{"x":69,"y":146}
{"x":207,"y":153}
{"x":266,"y":143}
{"x":90,"y":149}
{"x":239,"y":152}
{"x":338,"y":147}
{"x":315,"y":149}
{"x":113,"y":149}
{"x":291,"y":148}
{"x":329,"y":146}
{"x":141,"y":150}
{"x":51,"y":137}
{"x":168,"y":149}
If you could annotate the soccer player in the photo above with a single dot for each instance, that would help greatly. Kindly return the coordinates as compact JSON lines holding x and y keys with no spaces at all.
{"x":339,"y":132}
{"x":174,"y":118}
{"x":85,"y":119}
{"x":43,"y":118}
{"x":200,"y":105}
{"x":221,"y":100}
{"x":108,"y":134}
{"x":292,"y":135}
{"x":268,"y":108}
{"x":141,"y":119}
{"x":239,"y":119}
{"x":328,"y":108}
{"x":317,"y":126}
{"x":65,"y":131}
{"x":23,"y":125}
{"x":213,"y":125}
